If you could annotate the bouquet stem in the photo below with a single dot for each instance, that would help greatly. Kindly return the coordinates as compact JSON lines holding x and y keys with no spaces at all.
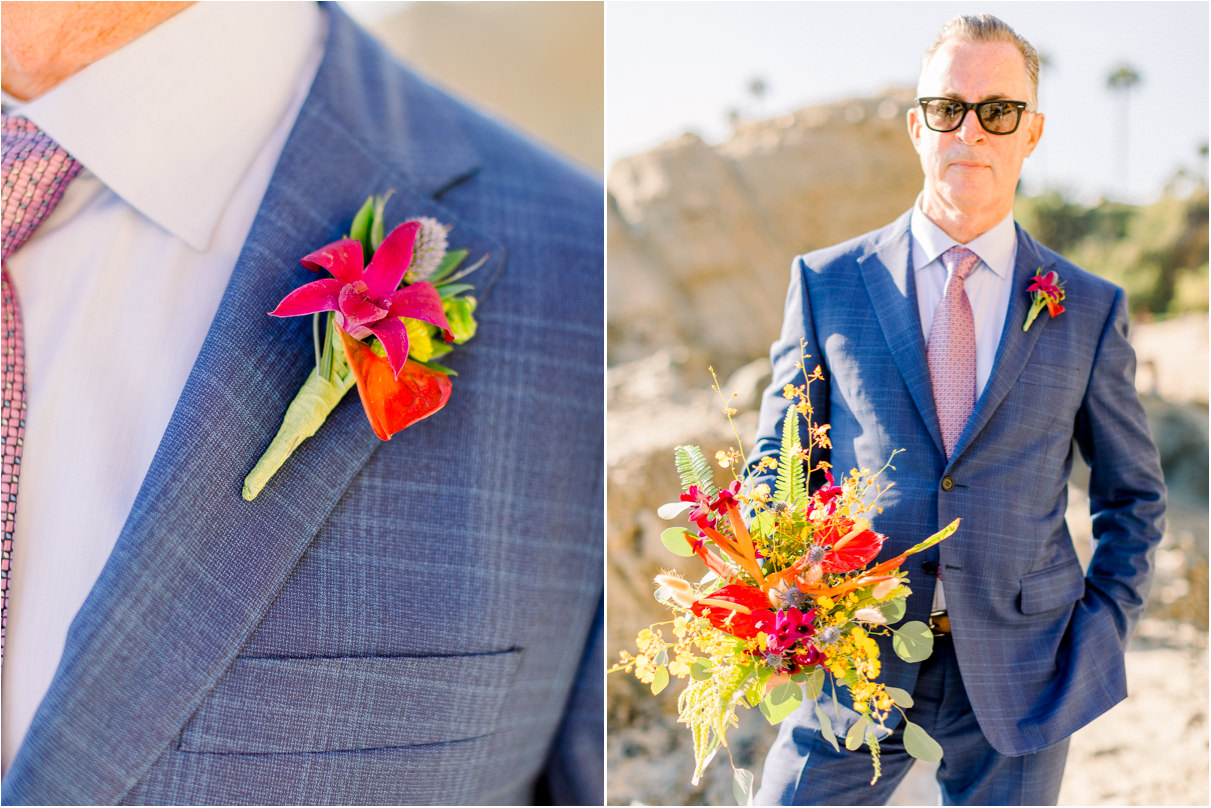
{"x":315,"y":400}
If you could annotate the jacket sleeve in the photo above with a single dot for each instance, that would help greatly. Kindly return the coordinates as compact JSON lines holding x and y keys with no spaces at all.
{"x":795,"y":351}
{"x":1126,"y":484}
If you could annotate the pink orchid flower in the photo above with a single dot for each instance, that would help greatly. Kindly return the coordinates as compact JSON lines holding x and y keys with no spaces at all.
{"x":367,"y":299}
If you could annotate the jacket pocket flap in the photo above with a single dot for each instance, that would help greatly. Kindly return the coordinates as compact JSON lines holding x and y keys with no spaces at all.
{"x":1052,"y":588}
{"x":350,"y":703}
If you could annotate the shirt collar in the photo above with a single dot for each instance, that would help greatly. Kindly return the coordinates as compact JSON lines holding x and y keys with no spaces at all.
{"x":996,"y":247}
{"x":172,"y":121}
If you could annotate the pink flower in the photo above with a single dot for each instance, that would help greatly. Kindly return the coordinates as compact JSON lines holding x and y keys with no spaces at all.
{"x":367,"y":299}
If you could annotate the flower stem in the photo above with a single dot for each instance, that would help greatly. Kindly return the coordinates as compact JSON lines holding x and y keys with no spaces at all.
{"x":315,"y":400}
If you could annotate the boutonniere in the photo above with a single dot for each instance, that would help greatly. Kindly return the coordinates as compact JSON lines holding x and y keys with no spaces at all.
{"x":1045,"y":290}
{"x":376,"y":324}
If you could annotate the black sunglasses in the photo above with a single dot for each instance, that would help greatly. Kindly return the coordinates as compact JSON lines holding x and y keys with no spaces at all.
{"x":997,"y":117}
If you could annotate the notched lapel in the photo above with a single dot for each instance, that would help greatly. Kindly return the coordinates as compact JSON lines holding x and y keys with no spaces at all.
{"x":1016,"y":345}
{"x":195,"y":567}
{"x":889,"y":282}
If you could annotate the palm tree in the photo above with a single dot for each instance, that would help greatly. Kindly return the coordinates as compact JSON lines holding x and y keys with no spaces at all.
{"x":757,"y":88}
{"x":1120,"y":81}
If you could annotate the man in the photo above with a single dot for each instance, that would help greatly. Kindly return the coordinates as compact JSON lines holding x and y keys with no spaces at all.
{"x":412,"y":621}
{"x":924,"y":348}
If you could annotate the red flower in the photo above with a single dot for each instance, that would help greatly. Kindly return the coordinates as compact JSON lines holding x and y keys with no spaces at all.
{"x":849,"y":545}
{"x":394,"y":401}
{"x":738,"y":609}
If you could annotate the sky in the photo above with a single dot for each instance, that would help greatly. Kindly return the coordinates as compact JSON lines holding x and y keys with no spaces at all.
{"x":673,"y":67}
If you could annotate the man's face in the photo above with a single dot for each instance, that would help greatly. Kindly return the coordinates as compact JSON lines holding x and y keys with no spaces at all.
{"x":969,"y":170}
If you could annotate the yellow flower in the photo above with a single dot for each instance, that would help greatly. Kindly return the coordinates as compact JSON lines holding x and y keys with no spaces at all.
{"x":680,"y":667}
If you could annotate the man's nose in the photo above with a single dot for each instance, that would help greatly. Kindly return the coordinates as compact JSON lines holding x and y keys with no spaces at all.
{"x":970,"y":130}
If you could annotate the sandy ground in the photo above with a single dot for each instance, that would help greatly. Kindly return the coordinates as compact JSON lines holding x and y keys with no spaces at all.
{"x":1152,"y":749}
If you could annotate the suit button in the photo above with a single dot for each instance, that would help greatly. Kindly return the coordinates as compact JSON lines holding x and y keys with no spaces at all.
{"x":948,"y":483}
{"x":930,"y":568}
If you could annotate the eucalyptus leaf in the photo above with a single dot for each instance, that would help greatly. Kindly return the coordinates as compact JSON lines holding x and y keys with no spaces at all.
{"x":742,"y":786}
{"x":913,"y":641}
{"x":701,"y":669}
{"x":893,"y":610}
{"x":901,"y":697}
{"x":677,"y":540}
{"x":661,"y":681}
{"x":919,"y":744}
{"x":671,"y":510}
{"x":826,"y":727}
{"x":814,"y":685}
{"x":781,"y":701}
{"x":853,"y":738}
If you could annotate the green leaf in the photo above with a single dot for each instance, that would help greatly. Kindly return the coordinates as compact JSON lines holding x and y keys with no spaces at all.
{"x":742,"y":786}
{"x":814,"y":685}
{"x":826,"y":727}
{"x":661,"y":681}
{"x":694,"y":469}
{"x":791,"y":486}
{"x":853,"y":738}
{"x":913,"y":641}
{"x":893,"y":610}
{"x":671,"y":510}
{"x":677,"y":540}
{"x":360,"y":229}
{"x":763,"y":523}
{"x":440,"y":368}
{"x":377,"y":225}
{"x":452,"y":289}
{"x":781,"y":701}
{"x":448,"y":264}
{"x":701,"y":669}
{"x":901,"y":697}
{"x":918,"y":743}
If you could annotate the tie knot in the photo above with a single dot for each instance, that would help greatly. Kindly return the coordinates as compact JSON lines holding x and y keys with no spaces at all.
{"x":959,"y":262}
{"x":36,"y":172}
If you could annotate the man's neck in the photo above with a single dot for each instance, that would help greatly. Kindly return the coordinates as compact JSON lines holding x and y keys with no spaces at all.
{"x":45,"y":43}
{"x":962,"y":224}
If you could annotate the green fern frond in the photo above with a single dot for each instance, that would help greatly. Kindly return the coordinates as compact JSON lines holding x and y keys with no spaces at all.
{"x":694,"y":469}
{"x":791,"y":485}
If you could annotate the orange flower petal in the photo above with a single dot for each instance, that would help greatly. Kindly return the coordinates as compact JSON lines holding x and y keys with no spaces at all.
{"x":391,"y":403}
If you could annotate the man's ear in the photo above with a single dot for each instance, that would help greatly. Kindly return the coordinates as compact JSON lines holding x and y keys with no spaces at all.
{"x":1034,"y":132}
{"x":913,"y":119}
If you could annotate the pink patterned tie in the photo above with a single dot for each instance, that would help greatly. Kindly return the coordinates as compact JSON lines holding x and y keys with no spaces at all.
{"x":952,"y":349}
{"x":36,"y":171}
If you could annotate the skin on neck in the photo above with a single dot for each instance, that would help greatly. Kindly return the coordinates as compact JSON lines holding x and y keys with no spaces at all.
{"x":41,"y":43}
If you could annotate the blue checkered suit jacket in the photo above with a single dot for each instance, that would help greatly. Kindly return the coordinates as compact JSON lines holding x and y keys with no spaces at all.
{"x":413,"y":621}
{"x":1039,"y":641}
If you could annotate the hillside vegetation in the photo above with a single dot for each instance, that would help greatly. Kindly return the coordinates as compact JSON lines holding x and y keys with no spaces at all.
{"x":1157,"y":252}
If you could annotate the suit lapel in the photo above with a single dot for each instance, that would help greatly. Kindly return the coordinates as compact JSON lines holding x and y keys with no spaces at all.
{"x":195,"y":566}
{"x":1016,"y":345}
{"x":887,"y":273}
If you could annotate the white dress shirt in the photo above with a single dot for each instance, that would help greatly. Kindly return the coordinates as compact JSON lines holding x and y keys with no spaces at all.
{"x":178,"y":133}
{"x":988,"y":289}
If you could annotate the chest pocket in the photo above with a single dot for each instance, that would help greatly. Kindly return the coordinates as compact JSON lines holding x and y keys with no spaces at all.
{"x":325,"y":705}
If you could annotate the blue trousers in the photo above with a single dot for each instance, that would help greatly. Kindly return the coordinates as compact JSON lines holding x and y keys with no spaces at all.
{"x":803,"y":769}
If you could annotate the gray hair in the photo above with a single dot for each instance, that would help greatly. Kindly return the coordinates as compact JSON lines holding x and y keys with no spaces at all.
{"x":987,"y":28}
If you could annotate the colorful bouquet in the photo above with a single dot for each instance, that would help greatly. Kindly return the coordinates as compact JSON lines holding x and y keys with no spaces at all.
{"x":788,"y":601}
